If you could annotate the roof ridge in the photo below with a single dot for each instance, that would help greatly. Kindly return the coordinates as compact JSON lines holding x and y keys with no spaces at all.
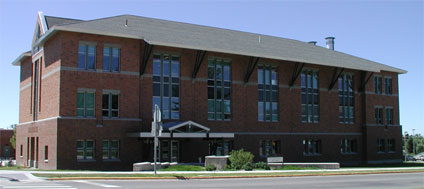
{"x":180,"y":22}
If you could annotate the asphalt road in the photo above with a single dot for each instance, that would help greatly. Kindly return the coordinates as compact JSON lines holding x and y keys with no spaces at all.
{"x":375,"y":181}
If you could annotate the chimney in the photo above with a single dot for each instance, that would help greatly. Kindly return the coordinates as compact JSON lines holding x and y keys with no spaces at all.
{"x":330,"y":42}
{"x":312,"y":42}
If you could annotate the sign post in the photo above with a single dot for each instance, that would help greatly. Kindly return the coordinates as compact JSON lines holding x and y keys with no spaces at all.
{"x":156,"y":132}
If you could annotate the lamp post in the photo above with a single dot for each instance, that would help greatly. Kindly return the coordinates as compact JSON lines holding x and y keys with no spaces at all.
{"x":405,"y":144}
{"x":413,"y":141}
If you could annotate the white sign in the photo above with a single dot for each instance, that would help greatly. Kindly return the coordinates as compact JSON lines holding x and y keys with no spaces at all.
{"x":157,"y":117}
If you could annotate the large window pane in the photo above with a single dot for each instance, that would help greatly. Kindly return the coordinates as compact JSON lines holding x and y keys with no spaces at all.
{"x":115,"y":59}
{"x":80,"y":100}
{"x":219,"y":89}
{"x":91,"y":59}
{"x":106,"y":59}
{"x":81,"y":56}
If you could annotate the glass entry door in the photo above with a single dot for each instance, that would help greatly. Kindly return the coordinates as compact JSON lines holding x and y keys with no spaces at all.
{"x":169,"y":150}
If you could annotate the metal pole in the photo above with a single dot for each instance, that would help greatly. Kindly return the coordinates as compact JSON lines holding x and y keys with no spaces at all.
{"x":155,"y":147}
{"x":405,"y":143}
{"x":413,"y":141}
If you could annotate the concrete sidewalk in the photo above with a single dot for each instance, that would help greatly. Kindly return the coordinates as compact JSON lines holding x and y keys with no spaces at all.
{"x":210,"y":172}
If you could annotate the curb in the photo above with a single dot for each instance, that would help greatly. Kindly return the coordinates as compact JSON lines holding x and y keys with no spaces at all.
{"x":225,"y":177}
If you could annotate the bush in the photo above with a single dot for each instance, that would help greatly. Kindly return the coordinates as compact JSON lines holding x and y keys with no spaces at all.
{"x":240,"y":158}
{"x":210,"y":168}
{"x":248,"y":167}
{"x":262,"y":165}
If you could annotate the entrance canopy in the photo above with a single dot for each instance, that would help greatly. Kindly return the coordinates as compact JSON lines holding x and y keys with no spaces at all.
{"x":186,"y":129}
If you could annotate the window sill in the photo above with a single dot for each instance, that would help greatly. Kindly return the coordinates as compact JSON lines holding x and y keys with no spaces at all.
{"x":86,"y":160}
{"x":110,"y":118}
{"x":46,"y":161}
{"x":88,"y":70}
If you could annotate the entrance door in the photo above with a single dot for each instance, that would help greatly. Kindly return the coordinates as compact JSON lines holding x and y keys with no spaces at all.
{"x":169,"y":150}
{"x":175,"y":151}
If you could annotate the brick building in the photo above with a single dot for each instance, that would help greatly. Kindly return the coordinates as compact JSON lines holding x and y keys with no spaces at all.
{"x":88,"y":87}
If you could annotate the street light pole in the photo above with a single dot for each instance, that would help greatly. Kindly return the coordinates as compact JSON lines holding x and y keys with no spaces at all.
{"x":405,"y":143}
{"x":413,"y":141}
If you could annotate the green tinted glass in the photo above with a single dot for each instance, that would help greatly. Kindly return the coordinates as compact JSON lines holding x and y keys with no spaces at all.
{"x":90,"y":100}
{"x":80,"y":100}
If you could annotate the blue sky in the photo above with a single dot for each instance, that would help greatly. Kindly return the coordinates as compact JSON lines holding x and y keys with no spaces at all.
{"x":389,"y":32}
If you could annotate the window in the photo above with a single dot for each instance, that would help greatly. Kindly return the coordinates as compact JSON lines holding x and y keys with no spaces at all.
{"x":312,"y":147}
{"x":378,"y":85}
{"x":310,"y":96}
{"x":166,"y":85}
{"x":86,"y":56}
{"x":111,"y":59}
{"x":270,"y":148}
{"x":389,"y":116}
{"x":379,"y":115}
{"x":85,"y":150}
{"x":110,"y":104}
{"x":391,"y":145}
{"x":219,"y":89}
{"x":46,"y":152}
{"x":346,"y":100}
{"x":380,"y":145}
{"x":110,"y":149}
{"x":348,"y":146}
{"x":388,"y":89}
{"x":20,"y":151}
{"x":85,"y":103}
{"x":36,"y":92}
{"x":267,"y":93}
{"x":220,"y":147}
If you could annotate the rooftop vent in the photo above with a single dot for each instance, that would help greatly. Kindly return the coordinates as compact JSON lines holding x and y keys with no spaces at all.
{"x":312,"y":42}
{"x":330,"y":42}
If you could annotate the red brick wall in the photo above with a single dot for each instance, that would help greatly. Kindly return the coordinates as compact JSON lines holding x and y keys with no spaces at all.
{"x":47,"y":134}
{"x":25,"y":113}
{"x":136,"y":103}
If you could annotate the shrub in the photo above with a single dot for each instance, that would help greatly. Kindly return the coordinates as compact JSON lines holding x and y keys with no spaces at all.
{"x":210,"y":168}
{"x":240,"y":158}
{"x":248,"y":167}
{"x":262,"y":165}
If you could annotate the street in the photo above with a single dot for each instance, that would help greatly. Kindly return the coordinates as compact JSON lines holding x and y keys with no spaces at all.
{"x":398,"y":180}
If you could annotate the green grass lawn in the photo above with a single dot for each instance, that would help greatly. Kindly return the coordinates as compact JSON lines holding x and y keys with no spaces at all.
{"x":184,"y":168}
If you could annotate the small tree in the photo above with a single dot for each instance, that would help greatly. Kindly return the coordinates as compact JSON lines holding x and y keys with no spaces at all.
{"x":240,"y":159}
{"x":13,"y":139}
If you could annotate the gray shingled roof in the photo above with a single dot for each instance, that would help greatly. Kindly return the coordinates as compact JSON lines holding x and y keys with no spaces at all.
{"x":52,"y":21}
{"x":191,"y":36}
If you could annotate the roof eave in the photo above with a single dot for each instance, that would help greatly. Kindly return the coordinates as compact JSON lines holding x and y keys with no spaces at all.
{"x":54,"y":29}
{"x":17,"y":61}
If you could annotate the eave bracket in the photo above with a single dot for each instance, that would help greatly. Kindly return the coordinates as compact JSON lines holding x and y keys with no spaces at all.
{"x":250,"y":68}
{"x":147,"y":51}
{"x":296,"y":73}
{"x":200,"y":55}
{"x":337,"y":73}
